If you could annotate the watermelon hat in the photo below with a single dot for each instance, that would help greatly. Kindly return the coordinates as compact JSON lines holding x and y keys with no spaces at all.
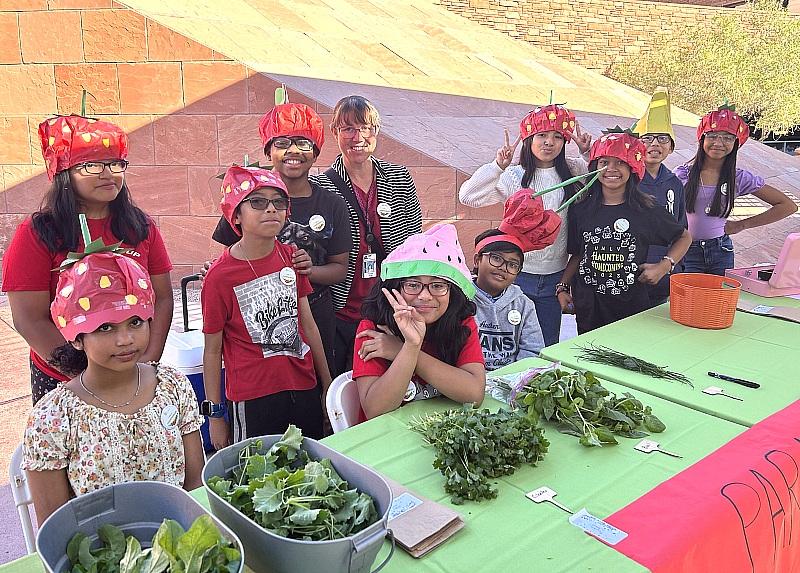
{"x":726,"y":119}
{"x":292,"y":120}
{"x":553,"y":117}
{"x":435,"y":252}
{"x":68,"y":140}
{"x":99,"y":286}
{"x":622,"y":144}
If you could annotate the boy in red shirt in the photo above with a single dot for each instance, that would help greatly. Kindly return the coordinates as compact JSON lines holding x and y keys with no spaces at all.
{"x":256,"y":315}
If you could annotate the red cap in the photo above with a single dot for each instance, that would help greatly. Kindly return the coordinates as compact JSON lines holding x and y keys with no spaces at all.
{"x":553,"y":117}
{"x":724,"y":119}
{"x":624,"y":146}
{"x":100,"y":288}
{"x":239,"y":182}
{"x":292,"y":120}
{"x":526,"y":223}
{"x":68,"y":140}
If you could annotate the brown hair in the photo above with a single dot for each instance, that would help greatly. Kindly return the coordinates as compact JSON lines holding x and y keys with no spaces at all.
{"x":355,"y":109}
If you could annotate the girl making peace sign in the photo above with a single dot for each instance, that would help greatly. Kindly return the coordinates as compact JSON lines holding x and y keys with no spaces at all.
{"x":543,"y":163}
{"x":419,"y":338}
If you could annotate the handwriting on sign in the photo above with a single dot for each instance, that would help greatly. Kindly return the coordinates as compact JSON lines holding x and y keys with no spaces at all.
{"x":765,"y":501}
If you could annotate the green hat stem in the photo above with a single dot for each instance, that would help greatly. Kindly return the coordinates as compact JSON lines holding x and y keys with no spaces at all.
{"x":92,"y":247}
{"x":581,"y":191}
{"x":565,"y":183}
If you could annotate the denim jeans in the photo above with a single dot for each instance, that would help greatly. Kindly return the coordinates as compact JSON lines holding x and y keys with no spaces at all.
{"x":541,"y":289}
{"x":711,"y":256}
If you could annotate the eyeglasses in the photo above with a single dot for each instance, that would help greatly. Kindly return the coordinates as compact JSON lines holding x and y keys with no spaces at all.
{"x":499,"y":262}
{"x":648,"y":139}
{"x":350,"y":132}
{"x":726,"y":138}
{"x":97,"y":167}
{"x":438,"y":288}
{"x":261,"y":203}
{"x":301,"y":143}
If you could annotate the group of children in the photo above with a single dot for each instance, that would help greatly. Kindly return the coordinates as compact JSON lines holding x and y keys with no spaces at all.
{"x":429,"y":324}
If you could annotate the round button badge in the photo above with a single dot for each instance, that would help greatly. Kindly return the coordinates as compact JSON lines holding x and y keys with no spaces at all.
{"x":169,"y":416}
{"x":514,"y":317}
{"x":317,"y":223}
{"x":621,"y":225}
{"x":411,"y":391}
{"x":287,"y":276}
{"x":384,"y":210}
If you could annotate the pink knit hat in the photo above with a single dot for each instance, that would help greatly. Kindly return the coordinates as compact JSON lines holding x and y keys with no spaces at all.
{"x":436,"y":252}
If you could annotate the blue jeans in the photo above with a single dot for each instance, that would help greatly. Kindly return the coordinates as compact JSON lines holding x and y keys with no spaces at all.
{"x":541,"y":289}
{"x":711,"y":256}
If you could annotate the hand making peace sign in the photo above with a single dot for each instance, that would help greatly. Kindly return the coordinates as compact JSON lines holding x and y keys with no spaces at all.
{"x":408,"y":319}
{"x":582,"y":139}
{"x":506,"y":153}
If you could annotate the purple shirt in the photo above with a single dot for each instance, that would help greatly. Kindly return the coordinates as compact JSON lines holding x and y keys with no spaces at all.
{"x":703,"y":226}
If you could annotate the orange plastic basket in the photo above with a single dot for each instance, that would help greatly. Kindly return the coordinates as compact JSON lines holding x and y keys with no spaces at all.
{"x":703,"y":301}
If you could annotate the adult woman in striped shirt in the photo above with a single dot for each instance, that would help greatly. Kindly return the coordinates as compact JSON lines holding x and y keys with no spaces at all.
{"x":384,"y":211}
{"x":544,"y":133}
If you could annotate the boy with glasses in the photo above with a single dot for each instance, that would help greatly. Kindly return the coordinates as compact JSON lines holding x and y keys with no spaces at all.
{"x":319,"y":223}
{"x":655,"y":131}
{"x":508,"y":326}
{"x":256,"y":314}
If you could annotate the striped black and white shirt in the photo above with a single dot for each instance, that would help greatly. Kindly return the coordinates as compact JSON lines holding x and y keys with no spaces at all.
{"x":395,"y":187}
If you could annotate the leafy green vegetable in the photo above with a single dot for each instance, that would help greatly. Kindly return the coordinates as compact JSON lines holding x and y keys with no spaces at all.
{"x":201,"y":549}
{"x":474,"y":446}
{"x":291,"y":495}
{"x":582,"y":407}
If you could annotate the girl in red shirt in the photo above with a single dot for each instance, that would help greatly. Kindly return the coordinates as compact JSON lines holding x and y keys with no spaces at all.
{"x":85,"y":160}
{"x":419,"y":339}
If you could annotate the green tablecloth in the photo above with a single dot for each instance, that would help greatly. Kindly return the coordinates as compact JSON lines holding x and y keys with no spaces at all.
{"x":511,"y":533}
{"x":757,"y":348}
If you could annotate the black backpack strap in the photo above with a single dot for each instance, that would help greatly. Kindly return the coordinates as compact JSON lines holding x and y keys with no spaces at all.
{"x":347,"y":192}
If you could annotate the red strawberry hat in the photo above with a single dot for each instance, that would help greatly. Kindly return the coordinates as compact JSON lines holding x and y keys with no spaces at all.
{"x":68,"y":140}
{"x":99,"y":286}
{"x":726,"y":119}
{"x":239,"y":182}
{"x":623,"y":145}
{"x":292,"y":120}
{"x":526,"y":223}
{"x":553,"y":117}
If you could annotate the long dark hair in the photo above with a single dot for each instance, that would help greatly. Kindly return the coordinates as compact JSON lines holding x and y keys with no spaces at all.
{"x":68,"y":359}
{"x":56,"y":221}
{"x":528,"y":162}
{"x":447,"y":334}
{"x":634,"y":197}
{"x":721,"y":205}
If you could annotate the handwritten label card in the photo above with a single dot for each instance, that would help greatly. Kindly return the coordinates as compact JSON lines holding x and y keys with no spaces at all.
{"x":597,"y":527}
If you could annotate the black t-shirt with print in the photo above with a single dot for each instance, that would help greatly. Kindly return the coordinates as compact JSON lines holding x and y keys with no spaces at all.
{"x":612,"y":243}
{"x":320,"y":224}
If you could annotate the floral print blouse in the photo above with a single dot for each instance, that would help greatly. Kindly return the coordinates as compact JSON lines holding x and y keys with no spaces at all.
{"x":101,"y":448}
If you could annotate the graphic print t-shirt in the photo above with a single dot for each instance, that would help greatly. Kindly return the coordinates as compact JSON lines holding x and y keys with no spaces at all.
{"x":320,"y":224}
{"x":612,"y":242}
{"x":418,"y":389}
{"x":256,"y":309}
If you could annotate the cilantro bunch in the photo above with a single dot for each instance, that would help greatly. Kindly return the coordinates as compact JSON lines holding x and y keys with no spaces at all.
{"x":581,"y":406}
{"x":287,"y":493}
{"x":475,"y":446}
{"x":201,"y":549}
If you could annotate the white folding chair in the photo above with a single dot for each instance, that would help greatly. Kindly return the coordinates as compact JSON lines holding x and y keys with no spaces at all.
{"x":343,"y":403}
{"x":22,"y":497}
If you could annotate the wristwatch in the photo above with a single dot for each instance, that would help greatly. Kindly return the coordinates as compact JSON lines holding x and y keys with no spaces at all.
{"x":562,"y":287}
{"x":212,"y":410}
{"x":671,"y":262}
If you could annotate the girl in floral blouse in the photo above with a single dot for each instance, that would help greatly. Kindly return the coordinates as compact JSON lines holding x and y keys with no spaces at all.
{"x":117,"y":420}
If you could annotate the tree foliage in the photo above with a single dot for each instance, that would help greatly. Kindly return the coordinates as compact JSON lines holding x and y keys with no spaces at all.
{"x":750,"y":56}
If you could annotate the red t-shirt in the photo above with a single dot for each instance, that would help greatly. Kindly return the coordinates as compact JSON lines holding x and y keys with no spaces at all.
{"x":257,"y":311}
{"x":28,"y":264}
{"x":418,"y":389}
{"x":361,"y":287}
